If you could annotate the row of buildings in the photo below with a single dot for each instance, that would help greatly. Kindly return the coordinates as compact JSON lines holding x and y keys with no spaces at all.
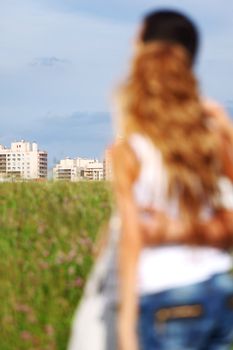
{"x":24,"y":161}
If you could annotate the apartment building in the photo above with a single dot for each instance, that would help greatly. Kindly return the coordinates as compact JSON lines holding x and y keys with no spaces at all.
{"x":108,"y":172}
{"x":94,"y":171}
{"x":66,"y":169}
{"x":78,"y":169}
{"x":23,"y":160}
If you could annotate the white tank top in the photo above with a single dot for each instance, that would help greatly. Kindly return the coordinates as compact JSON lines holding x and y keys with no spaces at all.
{"x":166,"y":267}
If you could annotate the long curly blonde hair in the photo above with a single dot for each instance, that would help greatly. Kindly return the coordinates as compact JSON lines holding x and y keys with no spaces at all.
{"x":160,"y":99}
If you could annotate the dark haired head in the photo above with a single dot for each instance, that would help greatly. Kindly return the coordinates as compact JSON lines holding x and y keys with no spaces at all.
{"x":171,"y":26}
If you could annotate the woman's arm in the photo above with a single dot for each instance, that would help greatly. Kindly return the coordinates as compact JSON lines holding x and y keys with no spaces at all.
{"x":125,"y":168}
{"x":223,"y":126}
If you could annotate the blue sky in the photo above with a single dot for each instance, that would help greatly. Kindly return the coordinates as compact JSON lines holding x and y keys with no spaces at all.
{"x":61,"y":60}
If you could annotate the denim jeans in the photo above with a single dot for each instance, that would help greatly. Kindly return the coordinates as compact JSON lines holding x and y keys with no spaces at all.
{"x":195,"y":317}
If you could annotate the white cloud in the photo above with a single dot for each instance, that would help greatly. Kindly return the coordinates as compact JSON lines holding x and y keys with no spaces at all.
{"x":50,"y":62}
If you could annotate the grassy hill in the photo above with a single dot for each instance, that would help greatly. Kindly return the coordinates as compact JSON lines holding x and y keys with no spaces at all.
{"x":47,"y":231}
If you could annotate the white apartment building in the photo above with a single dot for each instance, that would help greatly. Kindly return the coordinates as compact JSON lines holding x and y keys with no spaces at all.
{"x":78,"y":169}
{"x":94,"y":171}
{"x":108,"y":171}
{"x":23,"y":160}
{"x":68,"y":169}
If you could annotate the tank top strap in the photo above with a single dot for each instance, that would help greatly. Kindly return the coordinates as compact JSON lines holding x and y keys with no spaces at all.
{"x":145,"y":150}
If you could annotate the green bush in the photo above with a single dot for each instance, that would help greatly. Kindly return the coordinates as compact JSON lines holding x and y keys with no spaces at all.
{"x":47,"y":231}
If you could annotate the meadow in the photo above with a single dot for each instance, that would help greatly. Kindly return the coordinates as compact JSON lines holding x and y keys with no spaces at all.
{"x":47,"y":238}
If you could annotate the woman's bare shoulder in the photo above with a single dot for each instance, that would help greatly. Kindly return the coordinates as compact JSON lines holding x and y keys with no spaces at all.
{"x":125,"y":163}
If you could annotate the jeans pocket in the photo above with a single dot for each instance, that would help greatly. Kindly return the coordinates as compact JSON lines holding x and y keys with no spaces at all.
{"x":180,"y":326}
{"x":188,"y":311}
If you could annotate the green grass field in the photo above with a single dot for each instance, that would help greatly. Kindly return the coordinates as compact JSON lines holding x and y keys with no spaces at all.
{"x":47,"y":234}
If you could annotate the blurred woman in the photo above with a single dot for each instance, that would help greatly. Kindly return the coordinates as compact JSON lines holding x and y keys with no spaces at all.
{"x":171,"y":173}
